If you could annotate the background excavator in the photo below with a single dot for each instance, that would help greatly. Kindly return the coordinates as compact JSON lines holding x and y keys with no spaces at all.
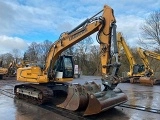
{"x":46,"y":83}
{"x":149,"y":78}
{"x":12,"y":68}
{"x":3,"y":71}
{"x":9,"y":71}
{"x":136,"y":70}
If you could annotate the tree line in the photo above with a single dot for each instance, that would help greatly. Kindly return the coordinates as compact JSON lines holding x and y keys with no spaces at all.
{"x":87,"y":55}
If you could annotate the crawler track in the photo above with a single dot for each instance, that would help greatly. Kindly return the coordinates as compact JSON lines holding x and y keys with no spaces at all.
{"x":63,"y":112}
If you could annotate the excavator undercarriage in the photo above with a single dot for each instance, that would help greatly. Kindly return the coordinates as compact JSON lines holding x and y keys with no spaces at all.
{"x":75,"y":97}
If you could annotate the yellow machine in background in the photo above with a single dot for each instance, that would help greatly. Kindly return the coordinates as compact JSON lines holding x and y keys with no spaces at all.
{"x":148,"y":70}
{"x":149,"y":78}
{"x":8,"y":72}
{"x":59,"y":70}
{"x":3,"y":71}
{"x":12,"y":68}
{"x":136,"y":70}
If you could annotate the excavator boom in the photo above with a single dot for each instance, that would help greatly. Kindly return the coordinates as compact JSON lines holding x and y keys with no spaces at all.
{"x":123,"y":45}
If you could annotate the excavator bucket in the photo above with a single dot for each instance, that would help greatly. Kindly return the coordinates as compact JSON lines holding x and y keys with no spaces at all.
{"x":91,"y":99}
{"x":146,"y":80}
{"x":104,"y":100}
{"x":76,"y":99}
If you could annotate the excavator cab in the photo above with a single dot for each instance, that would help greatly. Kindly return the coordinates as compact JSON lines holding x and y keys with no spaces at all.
{"x":138,"y":68}
{"x":64,"y":67}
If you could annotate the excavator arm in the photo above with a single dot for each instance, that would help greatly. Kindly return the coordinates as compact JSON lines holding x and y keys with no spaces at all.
{"x":151,"y":54}
{"x":143,"y":56}
{"x":123,"y":45}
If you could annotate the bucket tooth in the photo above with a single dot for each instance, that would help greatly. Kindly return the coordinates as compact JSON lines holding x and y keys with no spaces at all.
{"x":76,"y":99}
{"x":146,"y":80}
{"x":104,"y":100}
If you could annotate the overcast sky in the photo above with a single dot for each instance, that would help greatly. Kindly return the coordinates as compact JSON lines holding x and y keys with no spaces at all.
{"x":26,"y":21}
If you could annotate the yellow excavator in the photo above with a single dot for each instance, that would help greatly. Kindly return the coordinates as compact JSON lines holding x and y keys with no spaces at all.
{"x":3,"y":71}
{"x":53,"y":80}
{"x":149,"y":77}
{"x":8,"y":72}
{"x":12,"y":68}
{"x":136,"y":70}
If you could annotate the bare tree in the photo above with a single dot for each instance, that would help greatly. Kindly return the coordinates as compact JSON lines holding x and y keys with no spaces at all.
{"x":6,"y":58}
{"x":16,"y":54}
{"x":82,"y":51}
{"x":37,"y":52}
{"x":32,"y":52}
{"x":43,"y":50}
{"x":95,"y":60}
{"x":151,"y":30}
